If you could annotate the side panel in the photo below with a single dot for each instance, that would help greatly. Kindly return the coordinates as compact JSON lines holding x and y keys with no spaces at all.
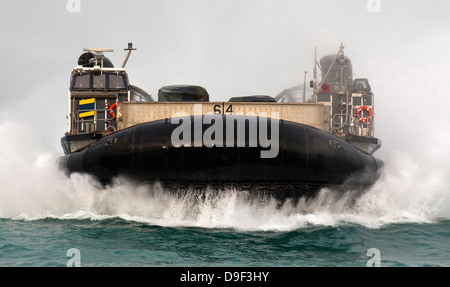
{"x":133,"y":113}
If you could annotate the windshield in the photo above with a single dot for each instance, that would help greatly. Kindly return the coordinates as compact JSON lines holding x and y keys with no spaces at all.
{"x":116,"y":82}
{"x":87,"y":81}
{"x":82,"y":81}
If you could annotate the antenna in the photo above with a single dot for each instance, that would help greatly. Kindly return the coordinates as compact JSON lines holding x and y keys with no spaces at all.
{"x":304,"y":88}
{"x":315,"y":74}
{"x":129,"y":49}
{"x":315,"y":70}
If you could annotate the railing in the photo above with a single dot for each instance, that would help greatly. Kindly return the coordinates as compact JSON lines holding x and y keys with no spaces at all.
{"x":93,"y":123}
{"x":355,"y":124}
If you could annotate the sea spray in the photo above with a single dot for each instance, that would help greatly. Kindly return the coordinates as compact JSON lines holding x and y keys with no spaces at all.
{"x":31,"y":188}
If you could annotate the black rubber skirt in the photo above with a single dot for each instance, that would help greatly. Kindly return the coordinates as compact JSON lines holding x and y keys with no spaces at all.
{"x":226,"y":150}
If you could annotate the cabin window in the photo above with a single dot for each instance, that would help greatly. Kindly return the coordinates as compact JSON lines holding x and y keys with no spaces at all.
{"x":99,"y":81}
{"x":116,"y":82}
{"x":360,"y":85}
{"x":368,"y":100}
{"x":357,"y":101}
{"x":82,"y":81}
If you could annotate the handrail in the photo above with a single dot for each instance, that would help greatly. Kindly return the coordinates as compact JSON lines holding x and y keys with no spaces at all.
{"x":75,"y":118}
{"x":354,"y":121}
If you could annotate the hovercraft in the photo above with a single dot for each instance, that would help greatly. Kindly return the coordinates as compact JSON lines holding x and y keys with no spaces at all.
{"x":256,"y":142}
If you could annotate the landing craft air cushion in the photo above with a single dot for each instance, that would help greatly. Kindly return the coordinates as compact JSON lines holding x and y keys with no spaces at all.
{"x":255,"y":142}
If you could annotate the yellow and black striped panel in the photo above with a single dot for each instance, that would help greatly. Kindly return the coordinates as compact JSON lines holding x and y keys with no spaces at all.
{"x":86,"y":108}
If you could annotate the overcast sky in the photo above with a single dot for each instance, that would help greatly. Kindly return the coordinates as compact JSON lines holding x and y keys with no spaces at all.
{"x":231,"y":47}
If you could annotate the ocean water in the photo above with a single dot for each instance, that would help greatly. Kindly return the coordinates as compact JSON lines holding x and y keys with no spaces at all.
{"x":124,"y":242}
{"x":48,"y":219}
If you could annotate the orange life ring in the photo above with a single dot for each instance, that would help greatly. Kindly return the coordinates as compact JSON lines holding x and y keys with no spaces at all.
{"x":111,"y":111}
{"x":360,"y":117}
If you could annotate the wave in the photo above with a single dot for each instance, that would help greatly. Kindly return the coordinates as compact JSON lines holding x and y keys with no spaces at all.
{"x":31,"y":188}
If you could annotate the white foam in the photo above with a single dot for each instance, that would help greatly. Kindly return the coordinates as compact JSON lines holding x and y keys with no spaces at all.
{"x":412,"y":189}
